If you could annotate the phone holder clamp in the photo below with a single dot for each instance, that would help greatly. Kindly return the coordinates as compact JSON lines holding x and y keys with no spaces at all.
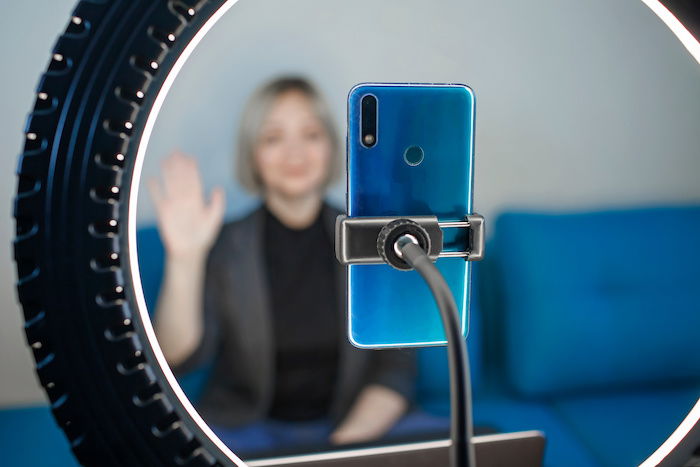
{"x":373,"y":240}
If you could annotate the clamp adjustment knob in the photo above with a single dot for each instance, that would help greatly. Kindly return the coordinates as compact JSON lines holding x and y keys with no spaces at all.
{"x":390,"y":234}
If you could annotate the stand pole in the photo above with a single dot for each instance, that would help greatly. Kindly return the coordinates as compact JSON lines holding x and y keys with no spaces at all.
{"x":462,"y":450}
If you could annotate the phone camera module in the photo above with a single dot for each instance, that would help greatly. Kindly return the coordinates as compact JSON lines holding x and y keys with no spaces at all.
{"x":368,"y":120}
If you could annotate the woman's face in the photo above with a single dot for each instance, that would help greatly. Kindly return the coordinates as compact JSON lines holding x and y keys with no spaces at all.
{"x":293,"y":150}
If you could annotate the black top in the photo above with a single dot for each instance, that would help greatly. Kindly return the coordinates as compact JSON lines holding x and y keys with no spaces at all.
{"x":301,"y":274}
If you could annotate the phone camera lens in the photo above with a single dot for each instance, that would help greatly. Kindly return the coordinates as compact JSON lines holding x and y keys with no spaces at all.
{"x":368,"y":120}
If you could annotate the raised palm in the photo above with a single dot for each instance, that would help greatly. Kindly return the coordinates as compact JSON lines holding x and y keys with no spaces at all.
{"x":188,"y":223}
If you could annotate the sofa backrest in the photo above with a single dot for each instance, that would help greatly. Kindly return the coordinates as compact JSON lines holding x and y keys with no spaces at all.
{"x":433,"y":382}
{"x":597,"y":300}
{"x":151,"y":256}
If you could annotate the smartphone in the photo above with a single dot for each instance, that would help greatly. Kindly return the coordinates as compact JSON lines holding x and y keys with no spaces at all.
{"x":410,"y":151}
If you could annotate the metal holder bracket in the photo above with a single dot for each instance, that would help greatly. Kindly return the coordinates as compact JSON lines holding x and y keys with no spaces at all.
{"x":357,"y":239}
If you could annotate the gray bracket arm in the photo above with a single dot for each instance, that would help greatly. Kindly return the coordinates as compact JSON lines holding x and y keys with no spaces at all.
{"x":358,"y":240}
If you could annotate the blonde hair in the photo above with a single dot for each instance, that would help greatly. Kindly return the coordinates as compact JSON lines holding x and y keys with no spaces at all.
{"x":253,"y":117}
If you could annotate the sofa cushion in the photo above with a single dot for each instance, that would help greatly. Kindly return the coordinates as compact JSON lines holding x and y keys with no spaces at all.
{"x":599,"y":300}
{"x":562,"y":448}
{"x":624,"y":428}
{"x":29,"y":436}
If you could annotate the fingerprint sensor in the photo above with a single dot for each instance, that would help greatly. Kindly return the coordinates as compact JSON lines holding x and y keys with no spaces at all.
{"x":413,"y":155}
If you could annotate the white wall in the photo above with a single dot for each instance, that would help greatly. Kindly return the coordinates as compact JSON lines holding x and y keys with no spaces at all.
{"x":579,"y":104}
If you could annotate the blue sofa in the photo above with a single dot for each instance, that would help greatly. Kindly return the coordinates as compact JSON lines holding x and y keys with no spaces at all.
{"x":592,"y":329}
{"x":583,"y":325}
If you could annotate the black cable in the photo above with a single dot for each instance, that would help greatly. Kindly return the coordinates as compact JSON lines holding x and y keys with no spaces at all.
{"x":462,"y":450}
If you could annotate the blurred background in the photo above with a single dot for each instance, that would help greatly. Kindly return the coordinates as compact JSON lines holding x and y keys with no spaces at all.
{"x":587,"y":164}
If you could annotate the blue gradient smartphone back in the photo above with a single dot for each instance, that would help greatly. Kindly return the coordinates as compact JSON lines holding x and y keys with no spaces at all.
{"x":388,"y":307}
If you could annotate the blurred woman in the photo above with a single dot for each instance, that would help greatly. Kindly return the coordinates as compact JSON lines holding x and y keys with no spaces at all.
{"x":264,"y":296}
